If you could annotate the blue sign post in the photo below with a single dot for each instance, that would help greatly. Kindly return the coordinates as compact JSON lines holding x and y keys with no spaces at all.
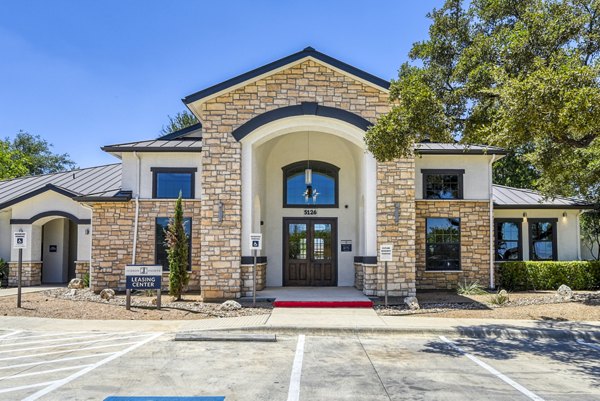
{"x":143,"y":277}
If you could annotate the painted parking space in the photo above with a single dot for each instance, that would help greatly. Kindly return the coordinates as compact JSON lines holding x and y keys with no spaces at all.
{"x":298,"y":367}
{"x":35,"y":364}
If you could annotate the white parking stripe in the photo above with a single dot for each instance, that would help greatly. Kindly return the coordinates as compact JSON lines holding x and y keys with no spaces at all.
{"x":294,"y":390}
{"x":56,"y":339}
{"x":69,"y":344}
{"x":11,"y":389}
{"x":55,"y":334}
{"x":43,"y":372}
{"x":82,"y":372}
{"x":591,"y":345}
{"x":3,"y":336}
{"x":13,"y":358}
{"x":493,"y":371}
{"x":71,"y":358}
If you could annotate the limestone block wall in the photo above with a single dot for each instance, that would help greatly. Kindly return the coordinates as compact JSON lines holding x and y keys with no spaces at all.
{"x":82,"y":267}
{"x":359,"y":276}
{"x":261,"y":278}
{"x":307,"y":81}
{"x":474,"y":242}
{"x":112,"y":239}
{"x":31,"y":274}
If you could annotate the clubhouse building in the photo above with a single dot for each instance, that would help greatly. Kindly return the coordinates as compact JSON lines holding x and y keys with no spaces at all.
{"x":280,"y":151}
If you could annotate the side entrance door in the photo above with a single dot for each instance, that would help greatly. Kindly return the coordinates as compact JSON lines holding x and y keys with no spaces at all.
{"x":310,"y":252}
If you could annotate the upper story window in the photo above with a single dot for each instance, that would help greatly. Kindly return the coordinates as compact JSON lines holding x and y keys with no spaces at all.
{"x":167,"y":183}
{"x":508,"y":239}
{"x":442,"y":184}
{"x":443,"y":243}
{"x":542,"y":239}
{"x":318,"y":188}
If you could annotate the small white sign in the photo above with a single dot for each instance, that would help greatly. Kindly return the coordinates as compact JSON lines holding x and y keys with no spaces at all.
{"x":386,"y":253}
{"x":255,"y":242}
{"x":20,"y":240}
{"x":143,"y":270}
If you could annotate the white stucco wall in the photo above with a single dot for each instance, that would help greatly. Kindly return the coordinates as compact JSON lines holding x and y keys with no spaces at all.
{"x":5,"y":234}
{"x":268,"y":184}
{"x":157,"y":159}
{"x":567,"y":235}
{"x":475,"y":179}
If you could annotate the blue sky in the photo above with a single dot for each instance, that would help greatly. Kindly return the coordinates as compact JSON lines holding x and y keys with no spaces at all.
{"x":83,"y":73}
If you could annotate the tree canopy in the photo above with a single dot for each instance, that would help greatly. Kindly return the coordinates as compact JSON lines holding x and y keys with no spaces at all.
{"x":179,"y":121}
{"x":29,"y":154}
{"x":520,"y":74}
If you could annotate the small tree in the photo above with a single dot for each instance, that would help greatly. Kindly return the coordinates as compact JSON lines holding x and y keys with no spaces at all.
{"x":590,"y":230}
{"x":177,"y":252}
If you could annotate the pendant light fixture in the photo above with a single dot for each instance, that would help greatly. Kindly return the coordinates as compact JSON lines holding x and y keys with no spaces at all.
{"x":310,"y":192}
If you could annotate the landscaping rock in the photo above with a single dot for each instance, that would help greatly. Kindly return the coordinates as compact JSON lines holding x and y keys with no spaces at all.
{"x":565,"y":292}
{"x":107,"y":294}
{"x":503,"y":293}
{"x":76,"y":283}
{"x":230,"y":305}
{"x":71,"y":293}
{"x":412,"y":303}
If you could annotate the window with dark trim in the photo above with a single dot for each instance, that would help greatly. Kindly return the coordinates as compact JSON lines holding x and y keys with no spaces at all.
{"x":442,"y":184}
{"x":167,"y":182}
{"x":160,"y":246}
{"x":442,"y":243}
{"x":509,"y":240}
{"x":325,"y":184}
{"x":542,"y":239}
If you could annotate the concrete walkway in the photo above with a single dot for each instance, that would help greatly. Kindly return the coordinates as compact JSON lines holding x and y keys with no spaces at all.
{"x":326,"y":321}
{"x":307,"y":294}
{"x":12,"y":291}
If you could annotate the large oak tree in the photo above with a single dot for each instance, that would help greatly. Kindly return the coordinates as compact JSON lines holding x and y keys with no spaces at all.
{"x":521,"y":74}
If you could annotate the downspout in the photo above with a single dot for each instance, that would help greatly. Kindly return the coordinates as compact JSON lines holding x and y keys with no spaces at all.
{"x":490,"y":177}
{"x":91,"y":209}
{"x":578,"y":236}
{"x":137,"y":208}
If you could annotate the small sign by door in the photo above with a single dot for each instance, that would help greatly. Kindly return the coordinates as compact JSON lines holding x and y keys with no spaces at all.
{"x":19,"y":240}
{"x":386,"y":253}
{"x":255,"y":242}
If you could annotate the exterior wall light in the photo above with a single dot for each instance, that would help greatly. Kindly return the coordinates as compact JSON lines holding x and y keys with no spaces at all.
{"x":524,"y":216}
{"x":564,"y":216}
{"x":220,"y":215}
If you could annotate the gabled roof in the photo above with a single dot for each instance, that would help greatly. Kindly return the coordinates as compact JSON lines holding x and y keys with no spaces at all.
{"x":182,"y":132}
{"x":158,"y":145}
{"x":517,"y":198}
{"x":74,"y":184}
{"x":265,"y":69}
{"x":434,"y":148}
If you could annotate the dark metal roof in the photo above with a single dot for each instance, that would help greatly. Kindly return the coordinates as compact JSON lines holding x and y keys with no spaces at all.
{"x":307,"y":52}
{"x":517,"y":198}
{"x":182,"y":132}
{"x":433,"y":148}
{"x":158,"y":145}
{"x":88,"y":181}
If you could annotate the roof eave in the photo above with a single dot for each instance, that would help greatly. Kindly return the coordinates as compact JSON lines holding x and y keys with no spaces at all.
{"x":282,"y":63}
{"x":115,"y":150}
{"x":543,"y":206}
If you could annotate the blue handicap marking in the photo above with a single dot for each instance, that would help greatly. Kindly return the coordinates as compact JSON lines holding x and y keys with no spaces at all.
{"x":150,"y":398}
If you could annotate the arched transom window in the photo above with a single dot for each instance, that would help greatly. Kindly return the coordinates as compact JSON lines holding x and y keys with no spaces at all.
{"x":317,"y":187}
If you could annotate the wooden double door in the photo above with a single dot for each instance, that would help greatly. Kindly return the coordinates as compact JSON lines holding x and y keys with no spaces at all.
{"x":310,"y":252}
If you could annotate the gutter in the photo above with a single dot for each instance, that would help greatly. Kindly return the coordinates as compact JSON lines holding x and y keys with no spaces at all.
{"x":578,"y":235}
{"x":137,"y":208}
{"x":491,"y":192}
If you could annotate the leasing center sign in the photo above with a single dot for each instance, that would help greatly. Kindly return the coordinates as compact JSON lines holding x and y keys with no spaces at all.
{"x":143,"y":277}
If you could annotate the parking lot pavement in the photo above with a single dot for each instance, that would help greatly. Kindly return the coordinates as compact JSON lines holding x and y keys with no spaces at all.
{"x":308,"y":367}
{"x":34,"y":364}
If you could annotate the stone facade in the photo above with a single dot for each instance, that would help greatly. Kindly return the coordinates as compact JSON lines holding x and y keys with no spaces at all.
{"x":396,"y":226}
{"x":474,"y":243}
{"x":82,"y":267}
{"x":31,"y":274}
{"x":359,"y":276}
{"x":307,"y":81}
{"x":112,"y":239}
{"x":261,"y":278}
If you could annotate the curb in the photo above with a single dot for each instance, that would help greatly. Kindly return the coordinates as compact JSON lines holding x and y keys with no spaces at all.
{"x":476,"y":332}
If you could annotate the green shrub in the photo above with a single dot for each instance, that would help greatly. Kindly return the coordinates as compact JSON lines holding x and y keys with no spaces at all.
{"x":86,"y":280}
{"x":500,"y":298}
{"x":3,"y":272}
{"x":579,"y":275}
